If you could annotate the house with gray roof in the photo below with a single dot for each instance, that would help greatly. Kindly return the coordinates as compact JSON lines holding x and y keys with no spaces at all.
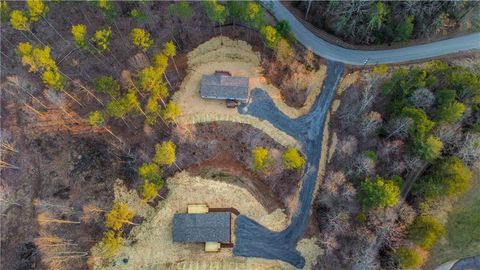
{"x":224,"y":87}
{"x":202,"y":228}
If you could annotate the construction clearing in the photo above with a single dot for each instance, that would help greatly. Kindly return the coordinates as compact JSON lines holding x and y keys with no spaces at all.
{"x":150,"y":245}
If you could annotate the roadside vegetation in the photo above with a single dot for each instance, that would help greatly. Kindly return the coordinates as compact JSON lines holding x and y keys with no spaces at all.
{"x":385,"y":22}
{"x":405,"y":144}
{"x":461,"y":229}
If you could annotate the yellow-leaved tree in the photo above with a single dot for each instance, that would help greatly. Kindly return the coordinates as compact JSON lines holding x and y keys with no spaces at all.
{"x":110,"y":244}
{"x":171,"y":112}
{"x":141,"y":38}
{"x":165,"y":153}
{"x":380,"y":70}
{"x":149,"y":191}
{"x":152,"y":110}
{"x":170,"y":50}
{"x":79,"y":32}
{"x":261,"y":158}
{"x":101,"y":38}
{"x":24,"y":49}
{"x":149,"y":80}
{"x":53,"y":79}
{"x":19,"y":20}
{"x":96,"y":118}
{"x":4,"y":11}
{"x":292,"y":159}
{"x":160,"y":62}
{"x":36,"y":9}
{"x":152,"y":180}
{"x":284,"y":52}
{"x":150,"y":172}
{"x":39,"y":59}
{"x":119,"y":214}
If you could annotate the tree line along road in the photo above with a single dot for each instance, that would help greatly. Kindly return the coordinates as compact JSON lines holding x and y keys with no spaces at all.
{"x":358,"y":57}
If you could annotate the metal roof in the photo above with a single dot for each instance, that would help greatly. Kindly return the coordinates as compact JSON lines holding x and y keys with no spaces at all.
{"x":224,"y":87}
{"x":199,"y":228}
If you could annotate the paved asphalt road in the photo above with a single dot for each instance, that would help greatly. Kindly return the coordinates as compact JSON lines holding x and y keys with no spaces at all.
{"x":358,"y":57}
{"x":251,"y":238}
{"x":472,"y":263}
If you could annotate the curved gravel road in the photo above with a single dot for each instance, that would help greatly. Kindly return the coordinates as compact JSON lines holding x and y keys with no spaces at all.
{"x":358,"y":57}
{"x":251,"y":238}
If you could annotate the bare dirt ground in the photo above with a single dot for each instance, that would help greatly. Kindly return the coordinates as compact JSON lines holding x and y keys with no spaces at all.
{"x":150,"y":245}
{"x":227,"y":147}
{"x":66,"y":171}
{"x":239,"y":58}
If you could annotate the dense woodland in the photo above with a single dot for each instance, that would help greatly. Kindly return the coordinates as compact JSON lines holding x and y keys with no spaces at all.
{"x":384,"y":22}
{"x":411,"y":137}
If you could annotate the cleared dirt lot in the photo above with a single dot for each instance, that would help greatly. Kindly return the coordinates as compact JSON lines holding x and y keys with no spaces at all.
{"x":150,"y":244}
{"x":239,"y":59}
{"x":222,"y":150}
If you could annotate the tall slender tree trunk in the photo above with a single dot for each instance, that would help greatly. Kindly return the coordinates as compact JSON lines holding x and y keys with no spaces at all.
{"x":175,"y":65}
{"x":168,"y":81}
{"x":308,"y":8}
{"x":54,"y":29}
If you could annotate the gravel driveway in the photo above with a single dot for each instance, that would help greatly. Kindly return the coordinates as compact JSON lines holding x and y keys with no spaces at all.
{"x":254,"y":240}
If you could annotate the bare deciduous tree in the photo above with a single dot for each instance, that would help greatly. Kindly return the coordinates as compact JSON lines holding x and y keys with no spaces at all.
{"x":363,"y":166}
{"x":449,"y":134}
{"x":390,"y":150}
{"x":412,"y":162}
{"x":348,"y":145}
{"x":367,"y":98}
{"x":370,"y":123}
{"x":398,"y":127}
{"x":337,"y":221}
{"x":469,"y":150}
{"x":91,"y":213}
{"x":333,"y":182}
{"x":46,"y":218}
{"x":361,"y":253}
{"x":348,"y":192}
{"x":57,"y":252}
{"x":422,"y":98}
{"x":348,"y":111}
{"x":42,"y":205}
{"x":406,"y":214}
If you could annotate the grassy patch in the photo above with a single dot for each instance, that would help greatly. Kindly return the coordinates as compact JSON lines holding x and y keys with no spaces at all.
{"x":463,"y":228}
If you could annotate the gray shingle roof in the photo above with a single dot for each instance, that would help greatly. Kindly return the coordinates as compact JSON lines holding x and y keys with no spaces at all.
{"x":224,"y":87}
{"x":199,"y":228}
